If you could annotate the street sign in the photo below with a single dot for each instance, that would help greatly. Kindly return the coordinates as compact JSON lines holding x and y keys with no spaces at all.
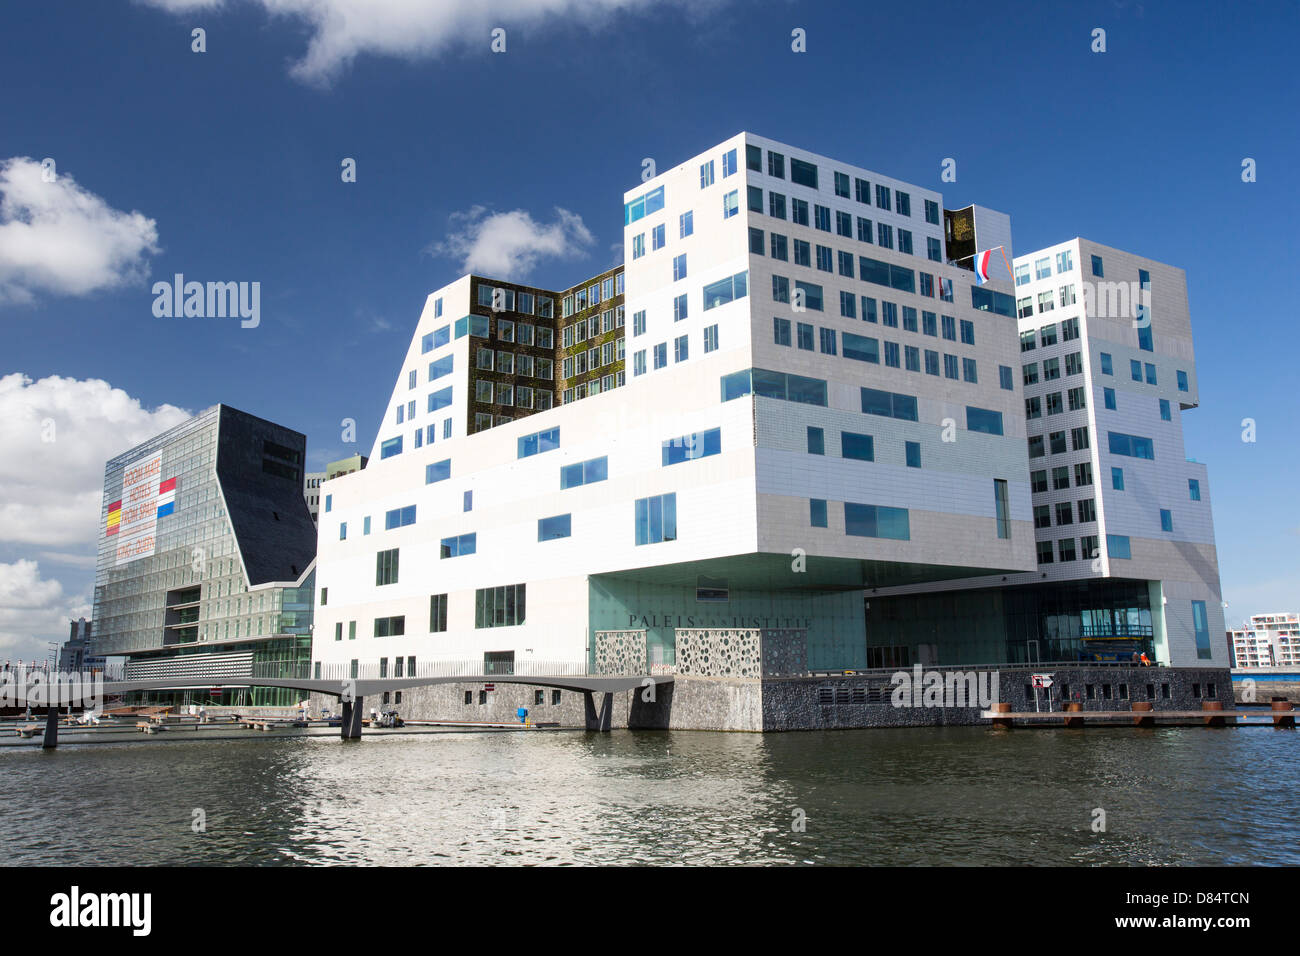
{"x":490,"y":687}
{"x":1041,"y":680}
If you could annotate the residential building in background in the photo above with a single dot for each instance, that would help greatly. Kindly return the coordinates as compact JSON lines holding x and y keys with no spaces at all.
{"x":206,"y":557}
{"x":1124,"y":536}
{"x":75,"y":654}
{"x":345,"y":466}
{"x":311,"y":491}
{"x":789,"y":393}
{"x":1268,"y":640}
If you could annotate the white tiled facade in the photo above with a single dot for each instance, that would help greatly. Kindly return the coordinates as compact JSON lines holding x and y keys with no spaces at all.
{"x":1082,"y":327}
{"x":747,"y":514}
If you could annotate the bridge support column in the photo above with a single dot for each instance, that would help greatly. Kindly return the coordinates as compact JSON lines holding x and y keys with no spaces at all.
{"x":598,"y":722}
{"x":351,"y":723}
{"x":51,"y":739}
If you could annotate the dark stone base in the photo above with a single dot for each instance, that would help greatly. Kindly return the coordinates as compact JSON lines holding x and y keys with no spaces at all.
{"x":808,"y":703}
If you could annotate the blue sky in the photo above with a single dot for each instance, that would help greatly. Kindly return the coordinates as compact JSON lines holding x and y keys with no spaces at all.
{"x":234,"y":154}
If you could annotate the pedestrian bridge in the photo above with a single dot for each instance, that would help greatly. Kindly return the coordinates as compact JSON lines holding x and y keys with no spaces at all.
{"x":350,"y":684}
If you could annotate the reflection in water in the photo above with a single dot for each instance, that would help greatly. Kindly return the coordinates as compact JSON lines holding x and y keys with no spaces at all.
{"x":953,"y":796}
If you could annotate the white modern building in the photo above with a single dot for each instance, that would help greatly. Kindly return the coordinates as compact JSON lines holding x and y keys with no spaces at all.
{"x":790,"y":394}
{"x":1269,"y":640}
{"x":1124,"y":537}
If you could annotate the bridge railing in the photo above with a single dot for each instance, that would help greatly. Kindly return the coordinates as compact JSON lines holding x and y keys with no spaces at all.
{"x":307,"y":670}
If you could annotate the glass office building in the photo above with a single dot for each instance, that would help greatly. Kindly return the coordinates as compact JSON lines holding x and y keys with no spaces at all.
{"x":206,"y":557}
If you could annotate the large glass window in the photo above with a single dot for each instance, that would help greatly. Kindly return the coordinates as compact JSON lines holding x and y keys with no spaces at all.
{"x":557,"y":526}
{"x":656,"y":519}
{"x":876,"y":521}
{"x":500,"y":606}
{"x":539,"y":442}
{"x":689,"y":447}
{"x":584,"y":472}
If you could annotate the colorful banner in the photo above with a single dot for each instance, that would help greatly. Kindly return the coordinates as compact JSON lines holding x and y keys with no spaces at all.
{"x":145,"y":499}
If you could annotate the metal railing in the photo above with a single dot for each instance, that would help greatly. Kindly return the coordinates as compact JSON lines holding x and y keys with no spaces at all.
{"x":307,"y":670}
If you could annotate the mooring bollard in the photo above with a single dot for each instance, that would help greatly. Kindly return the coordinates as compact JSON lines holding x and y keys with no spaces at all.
{"x":1074,"y":708}
{"x":1142,"y":714}
{"x":1003,"y":723}
{"x":1210,"y":706}
{"x":1283,"y":714}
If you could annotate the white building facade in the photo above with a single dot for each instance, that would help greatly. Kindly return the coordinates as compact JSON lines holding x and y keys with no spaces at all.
{"x":797,"y":398}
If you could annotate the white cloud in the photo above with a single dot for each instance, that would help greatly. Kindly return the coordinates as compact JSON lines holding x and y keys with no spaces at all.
{"x":33,"y":610}
{"x":57,"y":434}
{"x":56,"y":237}
{"x":416,"y":29}
{"x":509,"y":244}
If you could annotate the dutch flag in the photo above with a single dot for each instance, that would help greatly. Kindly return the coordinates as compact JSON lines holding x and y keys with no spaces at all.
{"x":167,"y":497}
{"x":982,"y":266}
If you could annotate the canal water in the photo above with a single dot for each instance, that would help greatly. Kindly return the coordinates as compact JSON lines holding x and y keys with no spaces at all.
{"x":949,"y":796}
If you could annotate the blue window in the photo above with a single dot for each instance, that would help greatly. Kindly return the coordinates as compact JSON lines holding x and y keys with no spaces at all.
{"x":1108,"y":396}
{"x":657,"y":237}
{"x":689,"y":447}
{"x":857,"y":447}
{"x":656,"y":519}
{"x":848,"y":305}
{"x":680,"y":307}
{"x":1151,"y":374}
{"x":889,"y":404}
{"x":679,"y":267}
{"x":440,"y":367}
{"x":661,"y":355}
{"x":1182,"y":381}
{"x":967,"y":331}
{"x":459,"y":546}
{"x":969,"y":371}
{"x":468,"y":500}
{"x":802,"y":173}
{"x":1135,"y":370}
{"x":1132,"y":446}
{"x":913,"y":452}
{"x":726,"y":290}
{"x":649,"y":203}
{"x":1166,"y":413}
{"x":876,"y":521}
{"x":983,"y":420}
{"x":781,"y":331}
{"x":769,"y":384}
{"x":426,"y":343}
{"x":816,"y":441}
{"x":391,"y":447}
{"x":729,"y":163}
{"x":539,"y":442}
{"x":1194,"y":489}
{"x":440,"y":399}
{"x":437,"y":471}
{"x":558,"y":526}
{"x":812,"y":295}
{"x":584,"y":472}
{"x":329,"y":502}
{"x":1166,"y":520}
{"x":343,"y":530}
{"x":1145,"y":342}
{"x":686,"y":223}
{"x":365,"y":525}
{"x":1117,"y":546}
{"x":817,"y":512}
{"x":1117,"y":478}
{"x":1106,"y":367}
{"x":1005,"y":379}
{"x":1200,"y":624}
{"x":861,"y":348}
{"x":399,"y":517}
{"x":1097,"y":269}
{"x":731,"y":204}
